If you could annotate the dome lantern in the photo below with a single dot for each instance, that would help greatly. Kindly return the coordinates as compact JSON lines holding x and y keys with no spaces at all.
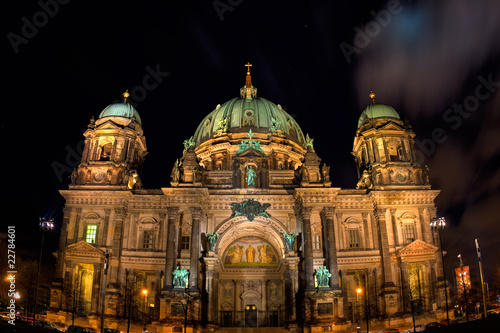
{"x":248,"y":91}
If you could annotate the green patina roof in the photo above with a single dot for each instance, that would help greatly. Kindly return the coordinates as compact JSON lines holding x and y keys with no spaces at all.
{"x":377,"y":111}
{"x":266,"y":116}
{"x":121,"y":110}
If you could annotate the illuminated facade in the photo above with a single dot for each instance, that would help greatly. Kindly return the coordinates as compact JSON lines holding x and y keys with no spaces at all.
{"x":251,"y":215}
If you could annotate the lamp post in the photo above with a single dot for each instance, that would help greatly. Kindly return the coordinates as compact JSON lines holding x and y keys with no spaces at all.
{"x":45,"y":225}
{"x":439,"y":224}
{"x":145,"y":293}
{"x":359,"y":291}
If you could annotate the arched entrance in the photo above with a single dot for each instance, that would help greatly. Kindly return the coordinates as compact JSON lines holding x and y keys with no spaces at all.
{"x":251,"y":285}
{"x":251,"y":315}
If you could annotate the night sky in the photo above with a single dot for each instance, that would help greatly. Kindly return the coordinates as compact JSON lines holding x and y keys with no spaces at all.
{"x":436,"y":62}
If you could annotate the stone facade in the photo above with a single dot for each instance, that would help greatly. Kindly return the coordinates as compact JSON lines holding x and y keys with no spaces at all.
{"x":250,"y":176}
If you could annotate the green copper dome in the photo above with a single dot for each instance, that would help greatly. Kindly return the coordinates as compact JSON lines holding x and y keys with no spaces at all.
{"x":241,"y":114}
{"x":377,"y":111}
{"x":124,"y":110}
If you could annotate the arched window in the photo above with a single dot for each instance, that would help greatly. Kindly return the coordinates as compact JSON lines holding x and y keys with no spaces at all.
{"x":409,"y":232}
{"x":106,"y":152}
{"x":408,"y":227}
{"x":353,"y":233}
{"x":392,"y":148}
{"x":148,"y":228}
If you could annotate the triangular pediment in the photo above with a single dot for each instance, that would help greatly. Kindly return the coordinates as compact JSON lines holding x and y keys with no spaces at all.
{"x":108,"y":125}
{"x":417,"y":248}
{"x":390,"y":126}
{"x":82,"y":248}
{"x":250,"y":152}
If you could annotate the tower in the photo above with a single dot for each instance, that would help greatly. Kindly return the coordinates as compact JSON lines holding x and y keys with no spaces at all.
{"x":114,"y":150}
{"x":384,"y":150}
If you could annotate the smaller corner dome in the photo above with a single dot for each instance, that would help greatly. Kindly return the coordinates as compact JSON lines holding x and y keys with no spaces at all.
{"x":124,"y":110}
{"x":374,"y":111}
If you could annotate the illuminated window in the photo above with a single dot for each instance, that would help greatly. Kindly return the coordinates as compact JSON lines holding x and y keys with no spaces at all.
{"x":106,"y":152}
{"x":316,"y":242}
{"x":353,"y":238}
{"x":147,"y":240}
{"x":409,"y":232}
{"x":91,"y":234}
{"x":185,"y":242}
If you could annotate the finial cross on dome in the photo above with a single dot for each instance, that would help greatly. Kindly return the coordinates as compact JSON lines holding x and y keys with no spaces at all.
{"x":248,"y":65}
{"x":372,"y":96}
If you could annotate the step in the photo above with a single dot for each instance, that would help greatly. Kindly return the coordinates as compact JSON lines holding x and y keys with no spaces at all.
{"x":252,"y":330}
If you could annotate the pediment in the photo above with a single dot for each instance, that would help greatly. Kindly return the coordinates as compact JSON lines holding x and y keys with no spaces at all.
{"x":82,"y":248}
{"x":391,"y":126}
{"x":108,"y":125}
{"x":251,"y":152}
{"x":417,"y":248}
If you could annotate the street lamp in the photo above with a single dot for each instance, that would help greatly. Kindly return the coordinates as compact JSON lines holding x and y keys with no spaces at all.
{"x":359,"y":291}
{"x":439,"y":224}
{"x":45,"y":225}
{"x":145,"y":293}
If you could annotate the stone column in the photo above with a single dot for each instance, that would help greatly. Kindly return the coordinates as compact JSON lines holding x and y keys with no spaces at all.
{"x":388,"y":288}
{"x":339,"y":232}
{"x":95,"y":306}
{"x":161,"y":232}
{"x":195,"y":249}
{"x":78,"y":236}
{"x":331,"y":247}
{"x":397,"y":241}
{"x":173,"y":214}
{"x":263,"y":294}
{"x":308,"y":249}
{"x":211,"y":287}
{"x":116,"y":245}
{"x":384,"y":246}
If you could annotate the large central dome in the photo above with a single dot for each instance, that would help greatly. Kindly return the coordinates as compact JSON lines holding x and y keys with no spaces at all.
{"x":241,"y":114}
{"x":249,"y":112}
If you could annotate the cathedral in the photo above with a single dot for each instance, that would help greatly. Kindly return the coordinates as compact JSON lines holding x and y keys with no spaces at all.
{"x":250,"y":232}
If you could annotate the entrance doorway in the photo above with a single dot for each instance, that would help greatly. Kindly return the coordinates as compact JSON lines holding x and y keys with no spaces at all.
{"x":227,"y":318}
{"x":273,"y":319}
{"x":250,"y":316}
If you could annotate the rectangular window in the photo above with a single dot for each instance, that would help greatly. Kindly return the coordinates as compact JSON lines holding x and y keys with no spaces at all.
{"x":316,"y":242}
{"x":353,"y":238}
{"x":185,"y":242}
{"x":91,"y":234}
{"x":147,"y":240}
{"x":409,"y":232}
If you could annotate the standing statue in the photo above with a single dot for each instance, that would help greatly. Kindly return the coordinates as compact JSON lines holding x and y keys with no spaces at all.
{"x":212,"y":238}
{"x":325,"y":170}
{"x":175,"y":172}
{"x":251,"y":175}
{"x":323,"y":277}
{"x":180,"y":277}
{"x":290,"y":239}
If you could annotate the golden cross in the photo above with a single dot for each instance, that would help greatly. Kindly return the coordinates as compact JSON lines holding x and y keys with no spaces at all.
{"x":248,"y":65}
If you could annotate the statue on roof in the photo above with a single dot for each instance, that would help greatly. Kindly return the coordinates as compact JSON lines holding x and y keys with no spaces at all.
{"x":309,"y":142}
